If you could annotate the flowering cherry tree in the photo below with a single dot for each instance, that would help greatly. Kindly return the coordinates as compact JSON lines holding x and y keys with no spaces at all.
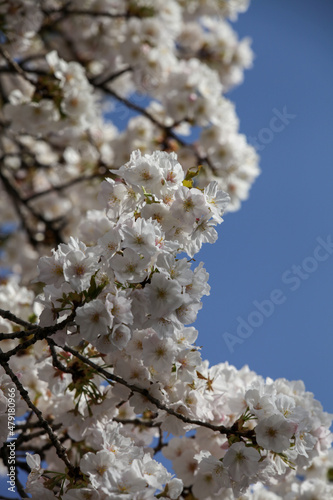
{"x":100,"y":225}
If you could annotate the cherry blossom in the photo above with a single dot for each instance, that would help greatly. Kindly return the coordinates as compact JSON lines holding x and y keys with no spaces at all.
{"x":99,"y":346}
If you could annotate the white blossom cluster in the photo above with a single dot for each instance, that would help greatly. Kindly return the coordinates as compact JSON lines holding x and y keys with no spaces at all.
{"x":71,"y":105}
{"x":64,"y":63}
{"x":132,"y":298}
{"x":119,"y":469}
{"x":150,"y":217}
{"x":290,"y":430}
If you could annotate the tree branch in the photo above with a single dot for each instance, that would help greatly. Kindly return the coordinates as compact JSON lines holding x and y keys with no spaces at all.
{"x":144,"y":392}
{"x":63,"y":186}
{"x":16,"y":202}
{"x":168,"y":130}
{"x":39,"y":333}
{"x":11,"y":317}
{"x":82,"y":12}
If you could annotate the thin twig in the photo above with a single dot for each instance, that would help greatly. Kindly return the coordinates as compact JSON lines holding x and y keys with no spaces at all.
{"x":110,"y":78}
{"x":55,"y":361}
{"x":23,"y":438}
{"x":15,"y":66}
{"x":160,"y":443}
{"x":26,"y":425}
{"x":139,"y":109}
{"x":50,"y":225}
{"x":137,"y":421}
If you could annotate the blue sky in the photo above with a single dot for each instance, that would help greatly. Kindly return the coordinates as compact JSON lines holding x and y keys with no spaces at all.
{"x":289,"y":207}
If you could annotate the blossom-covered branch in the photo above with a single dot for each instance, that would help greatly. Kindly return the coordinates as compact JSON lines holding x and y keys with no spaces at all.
{"x":144,"y":50}
{"x":120,"y":156}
